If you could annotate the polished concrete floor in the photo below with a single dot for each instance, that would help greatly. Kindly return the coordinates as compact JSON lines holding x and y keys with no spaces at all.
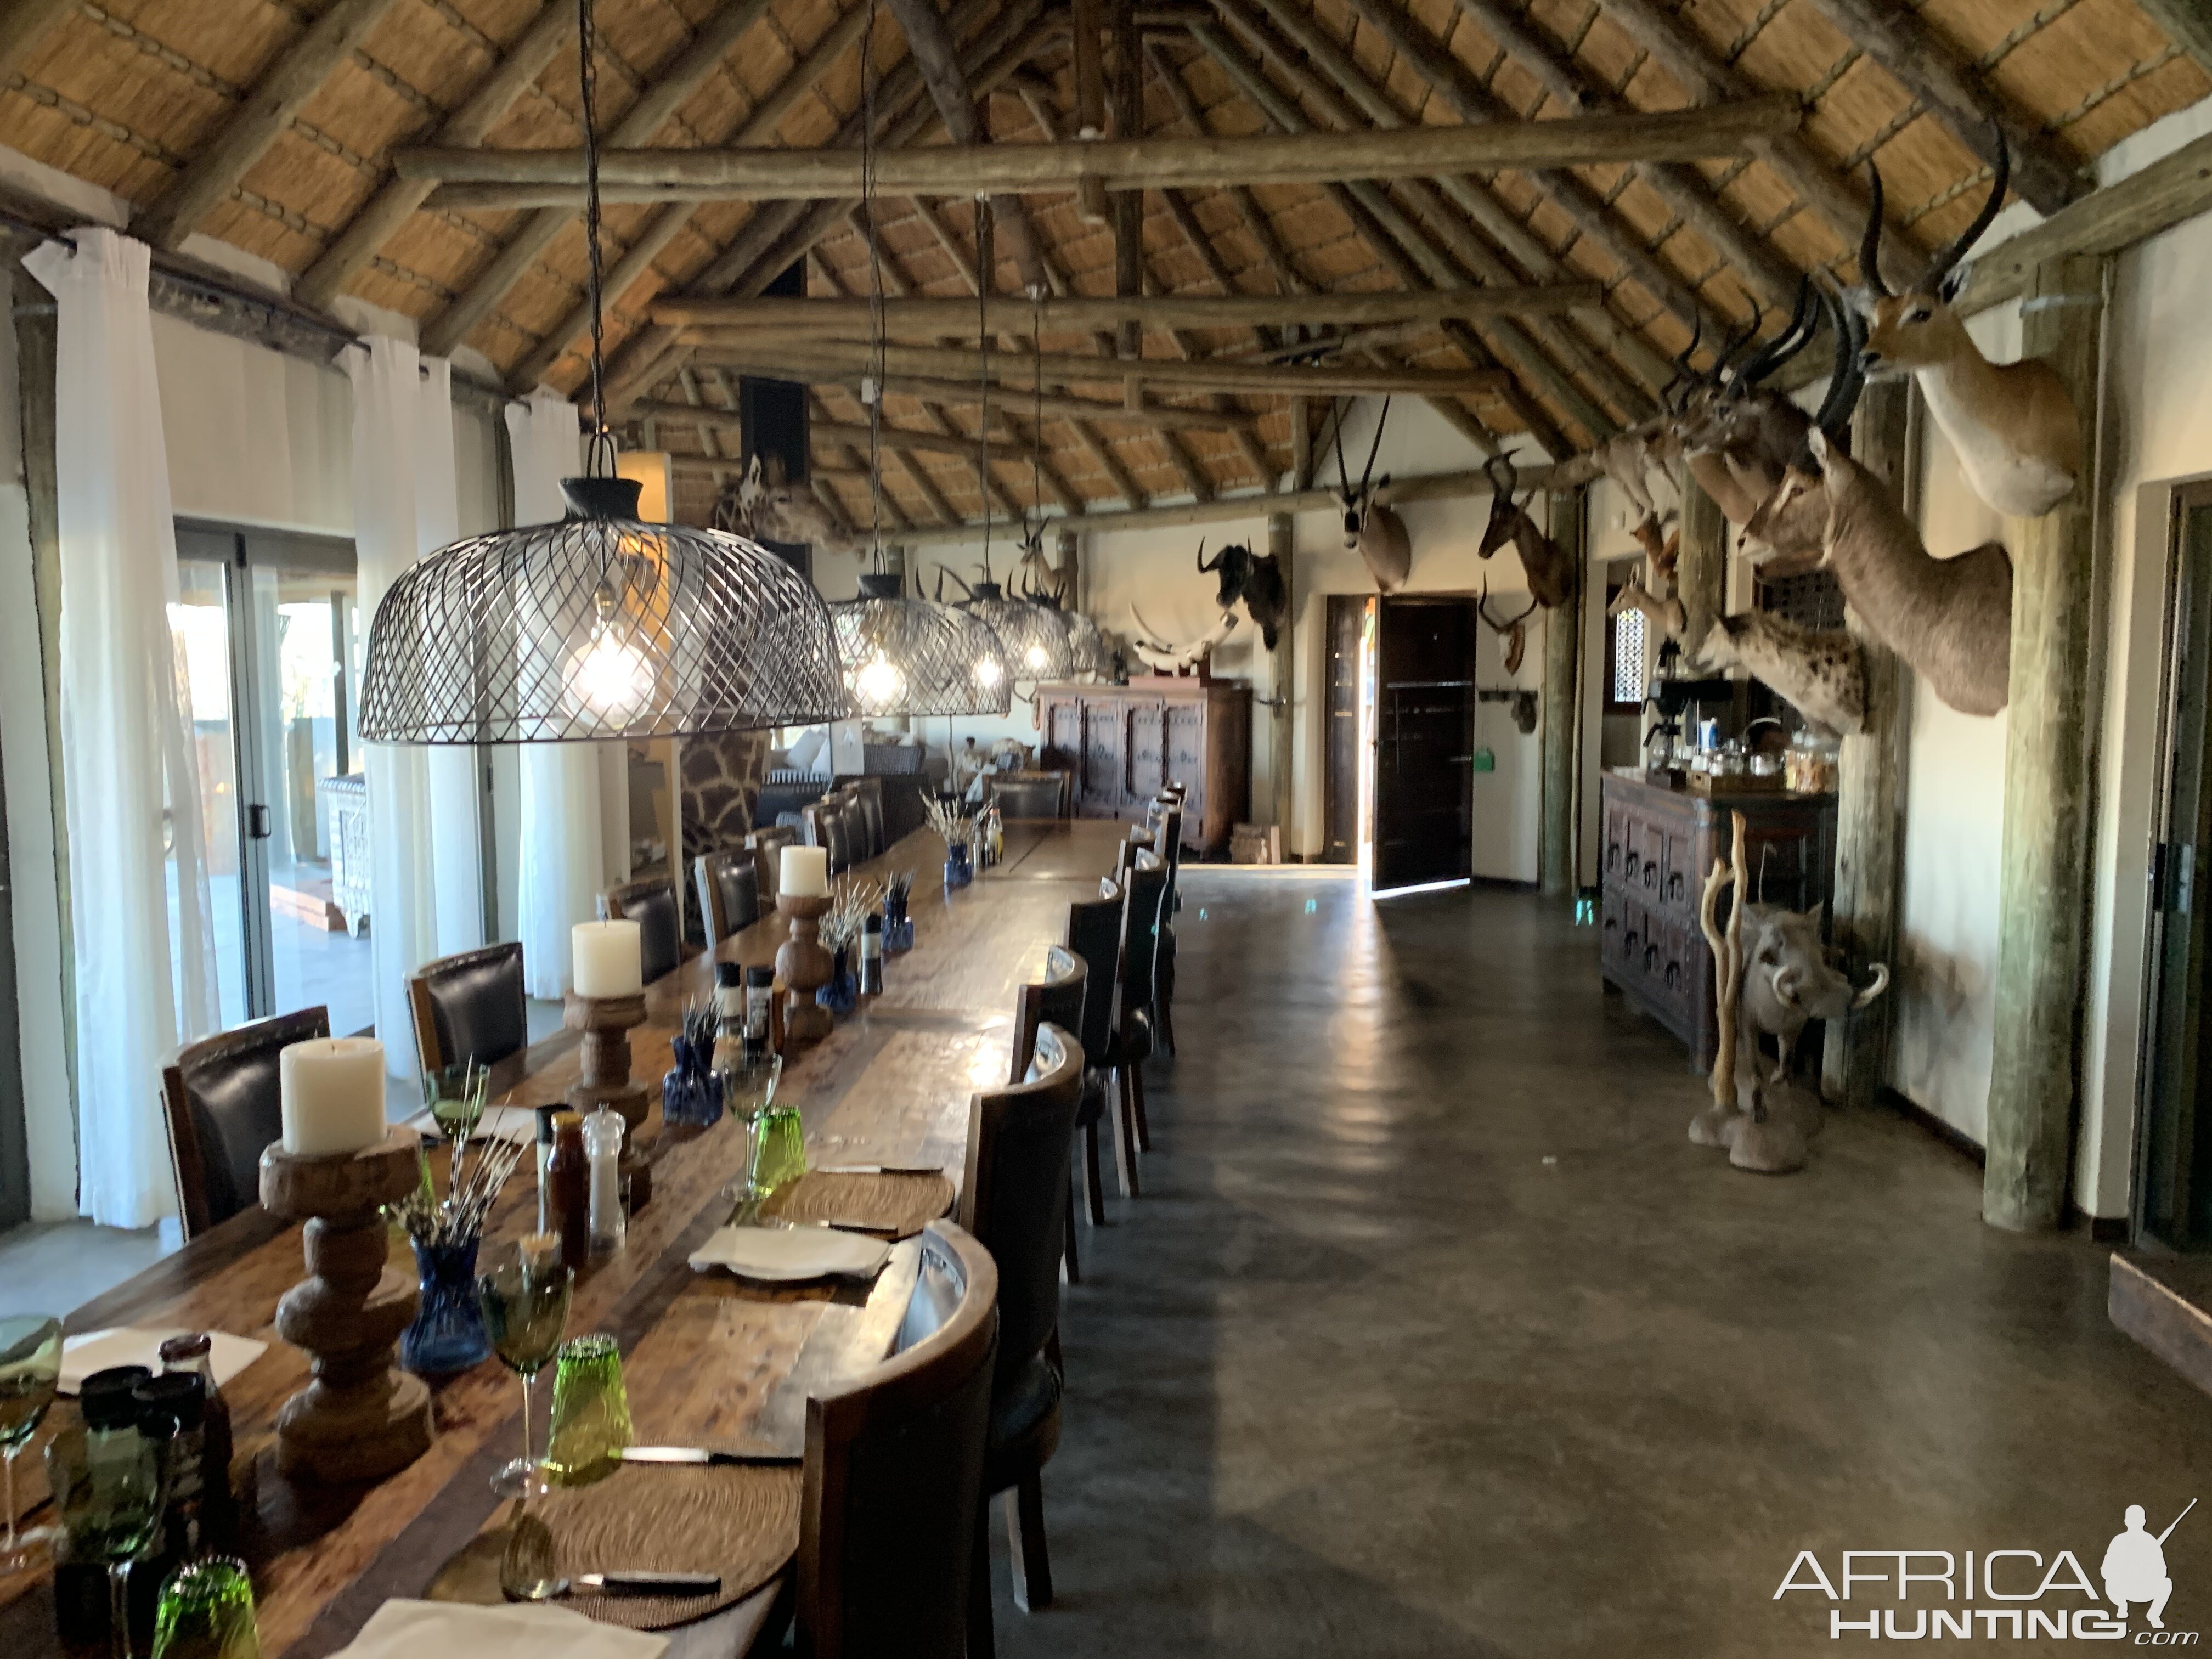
{"x":1432,"y":1334}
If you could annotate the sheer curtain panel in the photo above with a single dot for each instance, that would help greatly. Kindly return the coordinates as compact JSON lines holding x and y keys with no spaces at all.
{"x":570,"y":849}
{"x":138,"y":876}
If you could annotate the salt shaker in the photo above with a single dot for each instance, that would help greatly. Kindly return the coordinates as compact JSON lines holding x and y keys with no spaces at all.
{"x":603,"y":1142}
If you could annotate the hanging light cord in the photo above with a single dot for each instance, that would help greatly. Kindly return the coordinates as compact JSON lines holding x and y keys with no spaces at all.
{"x":878,"y":356}
{"x":602,"y":441}
{"x":1037,"y":423}
{"x":984,"y":250}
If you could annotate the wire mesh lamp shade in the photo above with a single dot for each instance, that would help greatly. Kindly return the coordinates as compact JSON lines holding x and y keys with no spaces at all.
{"x":599,"y":626}
{"x":903,"y":656}
{"x":1035,"y":635}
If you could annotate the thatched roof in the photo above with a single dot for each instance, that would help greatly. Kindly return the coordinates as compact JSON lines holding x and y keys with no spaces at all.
{"x":271,"y":125}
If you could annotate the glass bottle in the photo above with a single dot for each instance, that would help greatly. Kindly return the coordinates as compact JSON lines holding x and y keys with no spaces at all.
{"x":545,"y":1117}
{"x":731,"y":1013}
{"x":872,"y":956}
{"x":173,"y":1403}
{"x":193,"y":1355}
{"x":603,"y":1143}
{"x":568,"y":1180}
{"x":760,"y":1006}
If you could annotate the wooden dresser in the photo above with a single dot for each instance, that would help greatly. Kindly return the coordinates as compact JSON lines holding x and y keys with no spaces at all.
{"x":1123,"y":742}
{"x":1658,"y":843}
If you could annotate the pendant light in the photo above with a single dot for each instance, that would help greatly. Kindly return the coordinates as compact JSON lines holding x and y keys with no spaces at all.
{"x":900,"y":656}
{"x":600,"y":625}
{"x":1035,"y":635}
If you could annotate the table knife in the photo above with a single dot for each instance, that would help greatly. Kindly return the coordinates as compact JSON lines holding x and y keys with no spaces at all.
{"x":646,"y":1583}
{"x":704,"y":1458}
{"x":880,"y":1169}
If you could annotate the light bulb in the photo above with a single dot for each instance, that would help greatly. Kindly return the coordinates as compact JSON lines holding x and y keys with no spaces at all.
{"x":987,"y":673}
{"x":879,"y":683}
{"x":1037,"y":658}
{"x":608,"y":677}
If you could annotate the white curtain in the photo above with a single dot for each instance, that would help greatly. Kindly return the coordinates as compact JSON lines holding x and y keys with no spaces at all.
{"x":569,"y":854}
{"x":424,"y":897}
{"x":145,"y":954}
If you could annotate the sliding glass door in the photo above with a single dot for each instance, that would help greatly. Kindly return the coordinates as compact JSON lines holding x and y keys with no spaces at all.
{"x":272,"y":651}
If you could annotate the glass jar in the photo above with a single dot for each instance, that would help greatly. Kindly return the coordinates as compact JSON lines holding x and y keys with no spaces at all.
{"x":1809,"y":766}
{"x":448,"y":1334}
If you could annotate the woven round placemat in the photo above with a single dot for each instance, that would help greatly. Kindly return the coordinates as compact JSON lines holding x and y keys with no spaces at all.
{"x":899,"y":1205}
{"x":742,"y":1523}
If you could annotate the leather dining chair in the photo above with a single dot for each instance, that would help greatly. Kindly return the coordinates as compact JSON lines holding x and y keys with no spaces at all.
{"x":1057,"y":999}
{"x":767,"y":848}
{"x":1164,"y":967}
{"x":867,"y":795}
{"x":469,"y":1007}
{"x":1028,"y":797}
{"x":729,"y":893}
{"x":1094,"y":933}
{"x":823,"y":821}
{"x":1013,"y":1198}
{"x":1134,"y":1026}
{"x":890,"y":1499}
{"x":223,"y":1105}
{"x":652,"y":905}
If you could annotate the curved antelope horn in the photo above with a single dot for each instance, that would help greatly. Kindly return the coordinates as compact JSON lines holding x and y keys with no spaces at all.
{"x":1870,"y":243}
{"x":1776,"y":351}
{"x":1503,"y":491}
{"x":1786,"y":981}
{"x":1343,"y":478}
{"x":1374,"y":448}
{"x":1736,"y":343}
{"x":1940,"y":266}
{"x":1685,"y":376}
{"x":1874,"y":986}
{"x":1848,"y":377}
{"x":1204,"y":568}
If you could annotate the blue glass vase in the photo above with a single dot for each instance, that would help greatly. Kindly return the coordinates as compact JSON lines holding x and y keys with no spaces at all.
{"x":448,"y":1333}
{"x":898,"y":926}
{"x":691,"y":1097}
{"x":842,"y":993}
{"x":959,"y":871}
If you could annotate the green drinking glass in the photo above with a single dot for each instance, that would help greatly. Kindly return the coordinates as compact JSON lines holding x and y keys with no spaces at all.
{"x":206,"y":1612}
{"x":109,"y":1485}
{"x":778,"y":1149}
{"x":591,"y":1412}
{"x":455,"y":1097}
{"x":749,"y":1089}
{"x":525,"y":1307}
{"x":30,"y":1372}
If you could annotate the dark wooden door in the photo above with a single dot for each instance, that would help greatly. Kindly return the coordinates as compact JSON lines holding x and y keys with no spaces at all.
{"x":2174,"y":1152}
{"x":1347,"y":621}
{"x":1424,"y":741}
{"x":1148,"y":752}
{"x":1105,"y":746}
{"x":1186,"y":761}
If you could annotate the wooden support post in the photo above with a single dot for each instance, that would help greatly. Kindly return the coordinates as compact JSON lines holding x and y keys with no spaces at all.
{"x":1283,"y":678}
{"x":1563,"y":638}
{"x":1128,"y":205}
{"x":1870,"y":790}
{"x":2043,"y":901}
{"x":1701,"y":572}
{"x":1301,"y":444}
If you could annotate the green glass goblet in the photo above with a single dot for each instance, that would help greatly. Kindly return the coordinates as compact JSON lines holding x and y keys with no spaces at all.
{"x":526,"y":1308}
{"x":778,"y":1149}
{"x":206,"y":1612}
{"x":30,"y":1372}
{"x":109,"y":1484}
{"x":591,"y":1412}
{"x":748,"y":1090}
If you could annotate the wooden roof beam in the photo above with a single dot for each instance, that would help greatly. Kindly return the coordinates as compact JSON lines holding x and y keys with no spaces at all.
{"x":681,"y":73}
{"x":1957,"y":95}
{"x":285,"y":86}
{"x":1155,"y":310}
{"x":1273,"y":249}
{"x":23,"y":24}
{"x":2187,"y":23}
{"x":1683,"y":188}
{"x":636,"y":261}
{"x":396,"y":199}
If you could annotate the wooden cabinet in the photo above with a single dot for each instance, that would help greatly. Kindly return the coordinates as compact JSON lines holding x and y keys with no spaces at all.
{"x":1123,"y":742}
{"x":1656,"y":846}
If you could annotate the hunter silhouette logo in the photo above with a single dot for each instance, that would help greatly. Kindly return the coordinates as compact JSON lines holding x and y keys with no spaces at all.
{"x":2135,"y":1566}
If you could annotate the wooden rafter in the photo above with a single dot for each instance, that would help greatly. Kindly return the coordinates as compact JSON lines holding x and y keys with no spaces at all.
{"x":1955,"y":93}
{"x":396,"y":199}
{"x":684,"y":71}
{"x":23,"y":23}
{"x":935,"y":316}
{"x":286,"y":84}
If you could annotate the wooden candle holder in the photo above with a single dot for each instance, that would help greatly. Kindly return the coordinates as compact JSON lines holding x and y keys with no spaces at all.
{"x":606,"y":1023}
{"x":805,"y":964}
{"x":360,"y":1419}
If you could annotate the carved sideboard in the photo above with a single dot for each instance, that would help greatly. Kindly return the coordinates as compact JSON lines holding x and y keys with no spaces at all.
{"x":1122,"y":742}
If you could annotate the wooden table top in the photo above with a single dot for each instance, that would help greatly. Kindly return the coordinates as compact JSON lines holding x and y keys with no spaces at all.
{"x":706,"y":1360}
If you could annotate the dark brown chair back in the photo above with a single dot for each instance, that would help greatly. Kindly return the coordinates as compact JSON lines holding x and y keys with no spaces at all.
{"x":1094,"y":933}
{"x":824,"y":822}
{"x":224,"y":1105}
{"x":1057,"y":999}
{"x":469,"y":1007}
{"x":767,"y":848}
{"x":1028,"y":797}
{"x":652,"y":905}
{"x":1168,"y":841}
{"x":1140,"y":932}
{"x":867,"y":795}
{"x":895,"y":1472}
{"x":1014,"y":1197}
{"x":729,"y":893}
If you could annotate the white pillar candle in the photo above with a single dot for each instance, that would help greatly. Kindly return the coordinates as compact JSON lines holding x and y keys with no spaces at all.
{"x":609,"y":958}
{"x":330,"y":1091}
{"x":804,"y":872}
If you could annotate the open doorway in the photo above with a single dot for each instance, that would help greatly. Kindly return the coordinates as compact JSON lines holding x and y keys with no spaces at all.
{"x":1348,"y":744}
{"x":1425,"y":750}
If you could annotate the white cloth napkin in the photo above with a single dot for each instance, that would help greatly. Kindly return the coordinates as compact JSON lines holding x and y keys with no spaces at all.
{"x":518,"y":1124}
{"x":792,"y":1254}
{"x":415,"y":1630}
{"x":95,"y":1351}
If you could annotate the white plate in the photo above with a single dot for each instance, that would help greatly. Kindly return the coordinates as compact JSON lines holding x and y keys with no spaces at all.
{"x":518,"y":1124}
{"x":789,"y":1255}
{"x":95,"y":1351}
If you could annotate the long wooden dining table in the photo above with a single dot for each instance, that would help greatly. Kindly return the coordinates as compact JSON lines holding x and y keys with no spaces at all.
{"x":707,"y":1360}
